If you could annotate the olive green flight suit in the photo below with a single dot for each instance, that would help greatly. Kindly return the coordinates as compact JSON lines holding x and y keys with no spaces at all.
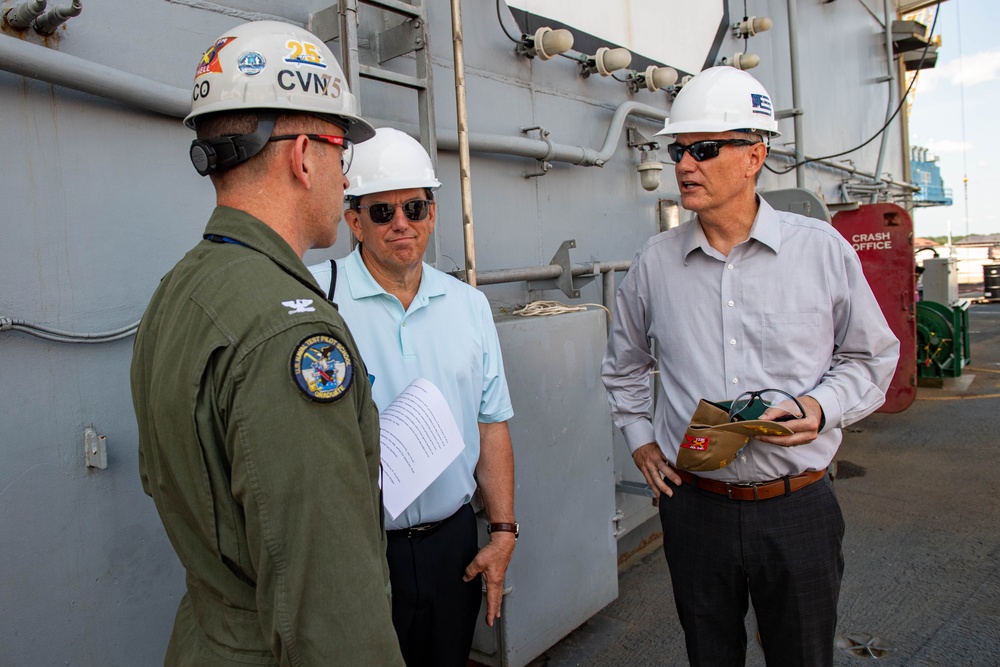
{"x":269,"y":497}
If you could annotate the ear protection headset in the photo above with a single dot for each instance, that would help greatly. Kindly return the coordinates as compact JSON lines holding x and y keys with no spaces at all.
{"x":222,"y":153}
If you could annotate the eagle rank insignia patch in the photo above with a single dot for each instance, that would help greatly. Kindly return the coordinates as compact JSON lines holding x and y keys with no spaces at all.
{"x":322,"y":368}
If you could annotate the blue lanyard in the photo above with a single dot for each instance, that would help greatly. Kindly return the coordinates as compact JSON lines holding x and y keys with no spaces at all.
{"x":224,"y":239}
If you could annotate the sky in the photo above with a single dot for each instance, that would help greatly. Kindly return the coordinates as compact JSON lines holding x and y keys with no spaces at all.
{"x":965,"y":79}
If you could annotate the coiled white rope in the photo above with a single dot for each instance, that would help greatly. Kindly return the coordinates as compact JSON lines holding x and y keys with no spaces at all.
{"x":539,"y":308}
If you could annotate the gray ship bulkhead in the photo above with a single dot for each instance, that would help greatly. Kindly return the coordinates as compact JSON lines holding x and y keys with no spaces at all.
{"x":100,"y":201}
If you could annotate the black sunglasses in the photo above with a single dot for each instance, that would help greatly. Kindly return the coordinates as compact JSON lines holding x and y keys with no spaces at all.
{"x":382,"y":213}
{"x":346,"y":155}
{"x":704,"y":150}
{"x":740,"y":410}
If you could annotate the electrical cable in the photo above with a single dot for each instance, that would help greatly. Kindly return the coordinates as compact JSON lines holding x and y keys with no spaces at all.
{"x":60,"y":336}
{"x":503,"y":27}
{"x":577,"y":59}
{"x":746,"y":37}
{"x":895,"y":113}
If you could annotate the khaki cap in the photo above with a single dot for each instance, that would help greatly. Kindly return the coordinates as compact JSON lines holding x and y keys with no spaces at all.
{"x":711,"y":441}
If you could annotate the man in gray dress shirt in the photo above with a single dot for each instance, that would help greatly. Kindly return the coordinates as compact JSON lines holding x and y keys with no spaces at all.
{"x":745,"y":298}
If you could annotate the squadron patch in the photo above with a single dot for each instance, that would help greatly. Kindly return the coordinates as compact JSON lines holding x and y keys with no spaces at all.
{"x":697,"y":443}
{"x":322,"y":368}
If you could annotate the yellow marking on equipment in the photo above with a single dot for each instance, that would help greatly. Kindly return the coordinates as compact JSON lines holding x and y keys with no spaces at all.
{"x":958,"y":398}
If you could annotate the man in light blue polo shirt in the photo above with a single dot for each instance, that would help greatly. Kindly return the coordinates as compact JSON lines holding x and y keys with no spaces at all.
{"x":411,"y":320}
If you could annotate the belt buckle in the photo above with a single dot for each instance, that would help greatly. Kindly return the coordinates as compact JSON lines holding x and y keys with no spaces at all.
{"x":748,"y":485}
{"x":422,"y":528}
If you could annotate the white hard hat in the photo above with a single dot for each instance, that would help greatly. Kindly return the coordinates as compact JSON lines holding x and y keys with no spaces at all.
{"x":722,"y":99}
{"x":392,"y":160}
{"x":274,"y":65}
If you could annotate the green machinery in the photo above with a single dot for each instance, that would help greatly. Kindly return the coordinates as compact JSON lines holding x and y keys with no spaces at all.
{"x":942,"y":341}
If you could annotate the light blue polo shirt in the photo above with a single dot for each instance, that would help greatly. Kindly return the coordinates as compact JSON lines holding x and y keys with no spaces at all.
{"x":447,"y":336}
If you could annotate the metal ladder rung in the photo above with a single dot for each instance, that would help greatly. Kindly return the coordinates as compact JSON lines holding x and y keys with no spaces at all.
{"x":396,"y":6}
{"x":388,"y":76}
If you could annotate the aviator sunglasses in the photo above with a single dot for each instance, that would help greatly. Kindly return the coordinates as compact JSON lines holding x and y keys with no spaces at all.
{"x":382,"y":213}
{"x":704,"y":150}
{"x":346,"y":155}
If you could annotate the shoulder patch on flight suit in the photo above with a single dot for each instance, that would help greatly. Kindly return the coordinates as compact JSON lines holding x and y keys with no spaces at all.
{"x":322,"y":368}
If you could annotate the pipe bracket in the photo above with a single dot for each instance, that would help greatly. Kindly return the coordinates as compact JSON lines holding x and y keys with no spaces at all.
{"x":565,"y":282}
{"x":543,"y":162}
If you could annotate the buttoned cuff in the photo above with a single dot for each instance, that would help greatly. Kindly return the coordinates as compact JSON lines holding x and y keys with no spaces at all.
{"x":833,"y":415}
{"x":638,"y":433}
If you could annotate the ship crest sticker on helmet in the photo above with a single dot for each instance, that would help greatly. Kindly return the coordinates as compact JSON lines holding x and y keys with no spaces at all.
{"x":303,"y":53}
{"x":322,"y":368}
{"x":210,"y":62}
{"x":251,"y":63}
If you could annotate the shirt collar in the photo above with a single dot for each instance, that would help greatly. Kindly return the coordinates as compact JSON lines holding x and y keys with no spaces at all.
{"x":244,"y":229}
{"x":766,"y":226}
{"x":766,"y":229}
{"x":363,"y":285}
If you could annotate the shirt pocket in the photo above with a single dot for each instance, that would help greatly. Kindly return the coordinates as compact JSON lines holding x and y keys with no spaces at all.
{"x":792,"y":344}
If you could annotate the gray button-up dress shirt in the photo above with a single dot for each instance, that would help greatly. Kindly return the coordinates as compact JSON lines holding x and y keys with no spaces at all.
{"x":789,"y":309}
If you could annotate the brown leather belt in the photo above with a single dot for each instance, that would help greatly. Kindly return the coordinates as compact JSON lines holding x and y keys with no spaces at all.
{"x":754,"y":490}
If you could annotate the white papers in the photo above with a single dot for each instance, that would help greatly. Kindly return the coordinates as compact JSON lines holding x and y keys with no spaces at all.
{"x":419,"y":440}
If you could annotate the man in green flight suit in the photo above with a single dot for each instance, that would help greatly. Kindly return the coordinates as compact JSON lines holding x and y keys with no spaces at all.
{"x":258,"y":437}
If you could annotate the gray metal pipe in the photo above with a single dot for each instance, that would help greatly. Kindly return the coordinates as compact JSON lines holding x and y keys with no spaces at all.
{"x":20,"y":17}
{"x":49,"y":22}
{"x":891,"y":103}
{"x":50,"y":66}
{"x":793,"y":60}
{"x":608,"y":292}
{"x":909,"y":187}
{"x":544,"y":150}
{"x":38,"y":62}
{"x":547,"y":272}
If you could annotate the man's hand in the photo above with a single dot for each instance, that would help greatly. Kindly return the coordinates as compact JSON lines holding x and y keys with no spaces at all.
{"x":804,"y":430}
{"x":491,"y":562}
{"x":654,"y":467}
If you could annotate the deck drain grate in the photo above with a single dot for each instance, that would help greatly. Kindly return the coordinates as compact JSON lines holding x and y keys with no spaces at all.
{"x":864,"y":646}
